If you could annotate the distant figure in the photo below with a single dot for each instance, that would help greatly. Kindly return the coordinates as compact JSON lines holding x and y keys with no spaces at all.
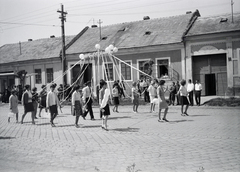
{"x":152,"y":94}
{"x":87,"y":100}
{"x":173,"y":92}
{"x":27,"y":103}
{"x":104,"y":96}
{"x":177,"y":95}
{"x":77,"y":104}
{"x":115,"y":94}
{"x":190,"y":89}
{"x":13,"y":104}
{"x":183,"y":96}
{"x":52,"y":103}
{"x":198,"y":90}
{"x":42,"y":101}
{"x":135,"y":97}
{"x":162,"y":101}
{"x":35,"y":101}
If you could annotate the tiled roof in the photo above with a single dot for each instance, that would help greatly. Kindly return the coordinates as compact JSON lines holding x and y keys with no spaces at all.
{"x":143,"y":33}
{"x":213,"y":24}
{"x":37,"y":49}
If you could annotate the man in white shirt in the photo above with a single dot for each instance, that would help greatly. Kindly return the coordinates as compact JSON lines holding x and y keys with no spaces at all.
{"x":87,"y":100}
{"x":190,"y":88}
{"x":198,"y":89}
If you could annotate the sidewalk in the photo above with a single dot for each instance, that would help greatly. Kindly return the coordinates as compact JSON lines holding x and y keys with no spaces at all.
{"x":207,"y":140}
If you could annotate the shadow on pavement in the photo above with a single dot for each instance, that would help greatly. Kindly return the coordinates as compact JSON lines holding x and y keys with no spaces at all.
{"x":183,"y":120}
{"x":7,"y":137}
{"x":91,"y":126}
{"x":126,"y":129}
{"x":69,"y":125}
{"x":121,"y":117}
{"x":47,"y":123}
{"x":197,"y":115}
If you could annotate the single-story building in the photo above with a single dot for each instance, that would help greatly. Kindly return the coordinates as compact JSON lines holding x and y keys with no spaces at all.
{"x":213,"y":54}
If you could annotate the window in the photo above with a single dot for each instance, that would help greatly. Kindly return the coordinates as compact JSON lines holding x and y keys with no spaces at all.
{"x":49,"y":75}
{"x":38,"y":76}
{"x":108,"y":67}
{"x":142,"y":67}
{"x":162,"y":68}
{"x":126,"y":72}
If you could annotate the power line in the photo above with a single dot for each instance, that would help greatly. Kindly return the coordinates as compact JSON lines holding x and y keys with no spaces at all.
{"x":34,"y":24}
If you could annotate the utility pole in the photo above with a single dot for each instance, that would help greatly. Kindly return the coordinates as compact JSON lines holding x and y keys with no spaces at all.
{"x":232,"y":9}
{"x":100,"y":22}
{"x":63,"y":19}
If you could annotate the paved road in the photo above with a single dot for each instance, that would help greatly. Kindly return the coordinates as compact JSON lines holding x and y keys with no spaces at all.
{"x":207,"y":141}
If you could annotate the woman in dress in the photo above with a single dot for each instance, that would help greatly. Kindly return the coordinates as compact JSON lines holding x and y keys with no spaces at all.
{"x":43,"y":97}
{"x":13,"y":104}
{"x":77,"y":104}
{"x":104,"y":95}
{"x":162,"y":101}
{"x":183,"y":97}
{"x":27,"y":103}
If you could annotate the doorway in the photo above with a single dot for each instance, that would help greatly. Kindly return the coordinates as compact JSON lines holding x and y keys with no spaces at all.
{"x":86,"y":76}
{"x":210,"y":84}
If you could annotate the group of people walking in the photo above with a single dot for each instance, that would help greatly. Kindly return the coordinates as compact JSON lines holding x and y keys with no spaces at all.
{"x":82,"y":100}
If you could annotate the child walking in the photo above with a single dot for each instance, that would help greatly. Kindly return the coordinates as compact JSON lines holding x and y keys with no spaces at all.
{"x":13,"y":104}
{"x":77,"y":104}
{"x":135,"y":97}
{"x":115,"y":94}
{"x":104,"y":95}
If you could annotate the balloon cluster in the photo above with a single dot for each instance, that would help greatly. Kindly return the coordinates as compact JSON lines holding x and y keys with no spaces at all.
{"x":109,"y":50}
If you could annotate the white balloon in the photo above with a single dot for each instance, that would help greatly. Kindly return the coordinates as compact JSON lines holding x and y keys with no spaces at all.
{"x":97,"y":46}
{"x":111,"y":47}
{"x":81,"y":56}
{"x":107,"y":50}
{"x":115,"y":49}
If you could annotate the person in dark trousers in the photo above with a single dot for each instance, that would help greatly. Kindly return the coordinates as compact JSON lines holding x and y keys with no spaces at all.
{"x":172,"y":94}
{"x":35,"y":101}
{"x":87,"y":100}
{"x":77,"y":104}
{"x":190,"y":89}
{"x":198,"y":90}
{"x":177,"y":95}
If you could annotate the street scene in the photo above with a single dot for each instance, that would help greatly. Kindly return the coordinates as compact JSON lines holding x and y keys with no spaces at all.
{"x":120,"y":86}
{"x":207,"y":140}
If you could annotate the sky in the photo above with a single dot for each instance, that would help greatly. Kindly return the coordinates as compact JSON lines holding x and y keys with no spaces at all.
{"x":21,"y":20}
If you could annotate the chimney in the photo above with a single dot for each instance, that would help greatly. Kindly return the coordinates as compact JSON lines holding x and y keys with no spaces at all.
{"x":146,"y":18}
{"x":94,"y":26}
{"x":52,"y":36}
{"x":29,"y":40}
{"x":188,"y":12}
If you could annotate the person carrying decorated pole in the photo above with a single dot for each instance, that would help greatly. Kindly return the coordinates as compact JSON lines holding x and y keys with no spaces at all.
{"x":77,"y":104}
{"x":52,"y":103}
{"x":104,"y":96}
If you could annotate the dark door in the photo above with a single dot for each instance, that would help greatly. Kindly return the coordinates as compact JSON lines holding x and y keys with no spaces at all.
{"x":210,"y":84}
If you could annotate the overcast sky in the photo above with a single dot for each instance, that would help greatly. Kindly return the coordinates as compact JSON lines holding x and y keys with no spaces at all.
{"x":21,"y":20}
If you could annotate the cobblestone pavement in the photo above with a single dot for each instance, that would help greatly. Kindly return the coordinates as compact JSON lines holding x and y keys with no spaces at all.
{"x":207,"y":140}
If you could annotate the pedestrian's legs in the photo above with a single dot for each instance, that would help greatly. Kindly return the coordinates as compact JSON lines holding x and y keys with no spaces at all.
{"x":151,"y":107}
{"x":23,"y":116}
{"x":40,"y":110}
{"x":33,"y":117}
{"x":76,"y":121}
{"x":186,"y":108}
{"x":137,"y":107}
{"x":159,"y":115}
{"x":16,"y":117}
{"x":199,"y":98}
{"x":182,"y":109}
{"x":165,"y":114}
